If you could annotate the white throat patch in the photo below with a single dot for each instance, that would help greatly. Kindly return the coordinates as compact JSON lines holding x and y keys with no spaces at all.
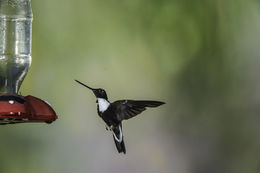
{"x":102,"y":104}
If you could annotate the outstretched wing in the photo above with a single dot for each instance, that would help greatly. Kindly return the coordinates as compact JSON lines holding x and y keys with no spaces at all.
{"x":126,"y":109}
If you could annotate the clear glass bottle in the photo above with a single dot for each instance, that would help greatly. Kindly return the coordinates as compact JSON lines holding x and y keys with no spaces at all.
{"x":15,"y":43}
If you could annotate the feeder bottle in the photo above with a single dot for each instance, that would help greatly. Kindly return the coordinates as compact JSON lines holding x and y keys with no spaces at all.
{"x":15,"y":43}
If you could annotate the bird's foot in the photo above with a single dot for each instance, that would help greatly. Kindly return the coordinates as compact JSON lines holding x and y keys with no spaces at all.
{"x":109,"y":127}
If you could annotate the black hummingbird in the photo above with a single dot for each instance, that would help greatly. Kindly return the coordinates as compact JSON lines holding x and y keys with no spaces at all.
{"x":114,"y":113}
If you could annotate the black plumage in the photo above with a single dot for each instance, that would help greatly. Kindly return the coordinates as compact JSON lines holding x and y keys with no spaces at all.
{"x":114,"y":113}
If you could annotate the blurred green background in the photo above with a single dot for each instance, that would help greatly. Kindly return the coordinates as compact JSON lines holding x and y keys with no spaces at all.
{"x":200,"y":57}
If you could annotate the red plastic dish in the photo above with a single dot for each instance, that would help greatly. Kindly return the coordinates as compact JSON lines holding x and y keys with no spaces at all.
{"x":18,"y":109}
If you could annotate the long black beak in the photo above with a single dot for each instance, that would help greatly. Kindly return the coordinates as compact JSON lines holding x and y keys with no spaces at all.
{"x":85,"y":85}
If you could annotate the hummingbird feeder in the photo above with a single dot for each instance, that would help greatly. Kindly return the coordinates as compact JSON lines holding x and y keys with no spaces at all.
{"x":15,"y":61}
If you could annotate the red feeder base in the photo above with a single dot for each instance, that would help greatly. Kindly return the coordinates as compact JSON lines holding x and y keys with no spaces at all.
{"x":18,"y":109}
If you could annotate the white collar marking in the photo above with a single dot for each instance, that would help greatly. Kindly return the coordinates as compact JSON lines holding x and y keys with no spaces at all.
{"x":103,"y":104}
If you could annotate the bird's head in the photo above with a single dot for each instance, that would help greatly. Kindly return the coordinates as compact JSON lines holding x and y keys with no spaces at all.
{"x":99,"y":92}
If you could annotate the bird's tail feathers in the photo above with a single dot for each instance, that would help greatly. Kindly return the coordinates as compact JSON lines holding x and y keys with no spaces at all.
{"x":118,"y":138}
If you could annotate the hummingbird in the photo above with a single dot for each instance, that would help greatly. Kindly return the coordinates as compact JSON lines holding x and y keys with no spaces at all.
{"x":114,"y":113}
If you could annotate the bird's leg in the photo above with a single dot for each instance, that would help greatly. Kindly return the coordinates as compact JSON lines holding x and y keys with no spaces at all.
{"x":111,"y":127}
